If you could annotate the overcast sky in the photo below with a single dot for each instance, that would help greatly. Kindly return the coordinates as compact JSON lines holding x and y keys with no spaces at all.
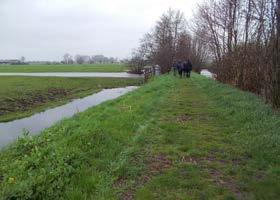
{"x":47,"y":29}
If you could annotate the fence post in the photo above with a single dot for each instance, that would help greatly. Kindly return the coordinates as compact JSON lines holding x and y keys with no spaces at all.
{"x":150,"y":71}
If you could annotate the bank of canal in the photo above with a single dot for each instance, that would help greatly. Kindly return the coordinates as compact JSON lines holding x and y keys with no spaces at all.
{"x":10,"y":131}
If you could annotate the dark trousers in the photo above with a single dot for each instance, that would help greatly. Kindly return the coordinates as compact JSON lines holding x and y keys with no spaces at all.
{"x":180,"y":73}
{"x":188,"y":74}
{"x":174,"y":71}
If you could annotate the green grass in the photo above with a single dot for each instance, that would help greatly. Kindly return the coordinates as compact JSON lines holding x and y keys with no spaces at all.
{"x":64,"y":68}
{"x":170,"y":139}
{"x":24,"y":96}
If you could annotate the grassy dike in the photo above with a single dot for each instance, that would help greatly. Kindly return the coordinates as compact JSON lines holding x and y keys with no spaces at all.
{"x":170,"y":139}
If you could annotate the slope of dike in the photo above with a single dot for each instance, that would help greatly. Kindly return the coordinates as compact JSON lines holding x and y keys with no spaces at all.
{"x":170,"y":139}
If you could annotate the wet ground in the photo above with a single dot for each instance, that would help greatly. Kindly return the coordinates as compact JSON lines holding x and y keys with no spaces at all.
{"x":10,"y":131}
{"x":75,"y":74}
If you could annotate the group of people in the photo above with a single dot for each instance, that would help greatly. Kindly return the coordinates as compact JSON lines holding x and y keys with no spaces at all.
{"x":183,"y":69}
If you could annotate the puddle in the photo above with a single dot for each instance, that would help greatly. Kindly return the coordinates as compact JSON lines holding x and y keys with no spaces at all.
{"x":10,"y":131}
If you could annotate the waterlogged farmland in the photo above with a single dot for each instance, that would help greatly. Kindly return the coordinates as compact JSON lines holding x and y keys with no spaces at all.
{"x":35,"y":124}
{"x":64,"y":68}
{"x":23,"y":96}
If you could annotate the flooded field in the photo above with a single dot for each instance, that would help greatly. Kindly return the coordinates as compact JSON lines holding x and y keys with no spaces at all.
{"x":75,"y":74}
{"x":10,"y":131}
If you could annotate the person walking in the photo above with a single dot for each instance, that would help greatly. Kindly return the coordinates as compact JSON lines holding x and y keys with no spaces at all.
{"x":180,"y":68}
{"x":189,"y":68}
{"x":174,"y":67}
{"x":185,"y":69}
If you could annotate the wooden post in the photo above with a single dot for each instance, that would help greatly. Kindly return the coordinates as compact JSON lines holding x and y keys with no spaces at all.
{"x":148,"y":73}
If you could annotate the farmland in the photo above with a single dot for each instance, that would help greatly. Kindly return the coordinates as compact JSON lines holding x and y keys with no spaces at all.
{"x":23,"y":96}
{"x":64,"y":68}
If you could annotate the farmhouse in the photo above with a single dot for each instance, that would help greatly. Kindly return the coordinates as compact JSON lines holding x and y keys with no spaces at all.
{"x":12,"y":62}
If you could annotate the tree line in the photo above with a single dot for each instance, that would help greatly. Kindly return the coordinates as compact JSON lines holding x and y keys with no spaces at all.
{"x":85,"y":59}
{"x":243,"y":39}
{"x":239,"y":38}
{"x":169,"y":41}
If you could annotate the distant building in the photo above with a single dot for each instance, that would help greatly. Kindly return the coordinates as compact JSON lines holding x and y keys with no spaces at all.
{"x":11,"y":62}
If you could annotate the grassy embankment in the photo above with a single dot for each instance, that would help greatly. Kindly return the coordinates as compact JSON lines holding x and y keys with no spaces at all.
{"x":24,"y":96}
{"x":63,"y":68}
{"x":171,"y":139}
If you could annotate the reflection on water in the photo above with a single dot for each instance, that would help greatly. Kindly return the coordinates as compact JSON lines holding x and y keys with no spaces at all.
{"x":10,"y":131}
{"x":75,"y":74}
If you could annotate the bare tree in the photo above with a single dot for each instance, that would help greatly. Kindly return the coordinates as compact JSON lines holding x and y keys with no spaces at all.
{"x":22,"y":59}
{"x":243,"y":37}
{"x":167,"y":42}
{"x":276,"y":62}
{"x":67,"y":59}
{"x":79,"y":59}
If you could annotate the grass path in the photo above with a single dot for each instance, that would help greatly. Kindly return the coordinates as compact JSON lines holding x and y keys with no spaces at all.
{"x":171,"y":139}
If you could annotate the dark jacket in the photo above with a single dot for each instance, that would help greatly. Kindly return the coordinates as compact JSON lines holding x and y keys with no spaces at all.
{"x":180,"y":66}
{"x":189,"y":66}
{"x":185,"y":66}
